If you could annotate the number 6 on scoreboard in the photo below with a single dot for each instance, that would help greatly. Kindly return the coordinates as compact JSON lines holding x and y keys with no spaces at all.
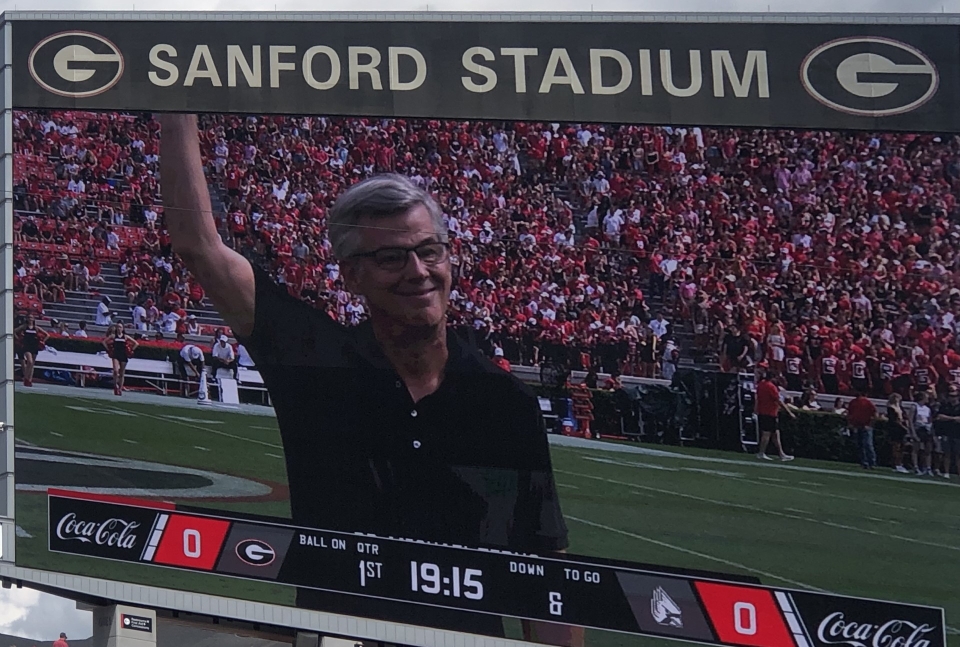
{"x":191,"y":543}
{"x":745,"y":611}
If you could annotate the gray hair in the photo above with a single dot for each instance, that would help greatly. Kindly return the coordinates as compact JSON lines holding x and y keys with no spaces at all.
{"x":381,"y":196}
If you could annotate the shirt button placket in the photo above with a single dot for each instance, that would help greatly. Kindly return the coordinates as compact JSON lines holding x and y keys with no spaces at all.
{"x":416,"y":443}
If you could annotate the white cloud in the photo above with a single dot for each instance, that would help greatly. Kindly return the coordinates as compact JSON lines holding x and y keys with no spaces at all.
{"x":40,"y":616}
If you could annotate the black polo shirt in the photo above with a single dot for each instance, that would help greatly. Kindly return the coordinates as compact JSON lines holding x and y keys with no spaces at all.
{"x":468,"y":464}
{"x":947,"y":428}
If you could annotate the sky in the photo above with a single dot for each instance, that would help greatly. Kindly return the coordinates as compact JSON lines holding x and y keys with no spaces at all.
{"x":39,"y":616}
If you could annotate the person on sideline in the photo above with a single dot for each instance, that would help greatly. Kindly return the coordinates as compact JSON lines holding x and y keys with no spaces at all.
{"x":769,"y":404}
{"x":861,"y":416}
{"x":899,"y":433}
{"x":120,"y":347}
{"x":923,"y":429}
{"x":31,"y":338}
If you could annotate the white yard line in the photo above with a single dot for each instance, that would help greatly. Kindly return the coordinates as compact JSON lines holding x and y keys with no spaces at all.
{"x":775,"y":513}
{"x":132,"y":442}
{"x":569,"y":442}
{"x":842,"y":497}
{"x":149,"y":399}
{"x":695,"y":553}
{"x":714,"y":558}
{"x":774,"y":482}
{"x":198,"y":427}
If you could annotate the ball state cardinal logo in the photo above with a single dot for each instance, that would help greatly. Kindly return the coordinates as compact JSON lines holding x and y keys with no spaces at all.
{"x":76,"y":64}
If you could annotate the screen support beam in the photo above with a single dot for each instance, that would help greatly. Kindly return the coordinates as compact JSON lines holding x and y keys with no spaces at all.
{"x":7,"y":445}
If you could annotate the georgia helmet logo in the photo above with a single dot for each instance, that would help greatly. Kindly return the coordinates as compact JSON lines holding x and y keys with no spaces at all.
{"x":869,"y":76}
{"x":255,"y":552}
{"x":76,"y":64}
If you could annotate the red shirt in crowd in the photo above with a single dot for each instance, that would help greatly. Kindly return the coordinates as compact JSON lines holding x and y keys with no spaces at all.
{"x":861,"y":412}
{"x":768,"y":398}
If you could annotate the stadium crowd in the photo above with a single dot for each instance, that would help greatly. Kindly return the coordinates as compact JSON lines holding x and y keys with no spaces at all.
{"x":829,"y":257}
{"x":87,"y":193}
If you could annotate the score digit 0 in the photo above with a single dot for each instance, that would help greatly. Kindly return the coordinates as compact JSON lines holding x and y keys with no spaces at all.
{"x":574,"y":575}
{"x":191,"y":543}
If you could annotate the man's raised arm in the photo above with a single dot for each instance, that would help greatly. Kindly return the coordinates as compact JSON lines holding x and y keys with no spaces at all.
{"x":225,"y":275}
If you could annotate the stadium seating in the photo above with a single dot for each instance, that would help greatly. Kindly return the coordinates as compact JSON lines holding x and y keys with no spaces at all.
{"x":568,"y":238}
{"x":82,"y":177}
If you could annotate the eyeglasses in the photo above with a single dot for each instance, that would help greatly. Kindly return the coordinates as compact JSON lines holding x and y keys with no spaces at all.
{"x":394,"y":259}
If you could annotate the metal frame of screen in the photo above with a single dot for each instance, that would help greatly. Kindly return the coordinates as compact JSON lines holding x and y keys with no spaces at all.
{"x":211,"y":605}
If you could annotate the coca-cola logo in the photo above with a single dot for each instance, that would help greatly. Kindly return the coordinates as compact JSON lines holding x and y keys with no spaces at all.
{"x":115,"y":532}
{"x":836,"y":630}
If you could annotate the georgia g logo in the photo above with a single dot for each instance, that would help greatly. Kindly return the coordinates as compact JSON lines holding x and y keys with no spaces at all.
{"x":76,"y":64}
{"x":255,"y":552}
{"x":869,"y":76}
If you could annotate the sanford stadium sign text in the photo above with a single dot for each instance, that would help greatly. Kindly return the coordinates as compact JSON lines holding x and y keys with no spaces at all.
{"x":781,"y":75}
{"x":403,"y":69}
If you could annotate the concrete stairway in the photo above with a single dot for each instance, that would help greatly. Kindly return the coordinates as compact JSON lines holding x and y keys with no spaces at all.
{"x":82,"y":306}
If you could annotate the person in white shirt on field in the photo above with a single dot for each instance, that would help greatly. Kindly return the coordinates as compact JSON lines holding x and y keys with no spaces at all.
{"x":192,"y":356}
{"x":223,"y":357}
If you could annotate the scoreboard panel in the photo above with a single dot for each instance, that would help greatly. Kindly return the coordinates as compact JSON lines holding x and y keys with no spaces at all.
{"x":634,"y":599}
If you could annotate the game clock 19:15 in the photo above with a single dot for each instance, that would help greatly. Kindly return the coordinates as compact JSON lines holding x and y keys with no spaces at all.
{"x":454,"y":582}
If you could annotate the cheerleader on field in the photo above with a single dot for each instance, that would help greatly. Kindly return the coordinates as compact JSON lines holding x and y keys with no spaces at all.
{"x":120,"y":346}
{"x":31,"y":337}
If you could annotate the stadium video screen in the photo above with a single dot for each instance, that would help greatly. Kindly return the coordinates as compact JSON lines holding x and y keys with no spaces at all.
{"x":506,"y":378}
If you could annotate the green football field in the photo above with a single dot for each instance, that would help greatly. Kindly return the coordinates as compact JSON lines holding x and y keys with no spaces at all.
{"x":805,"y":525}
